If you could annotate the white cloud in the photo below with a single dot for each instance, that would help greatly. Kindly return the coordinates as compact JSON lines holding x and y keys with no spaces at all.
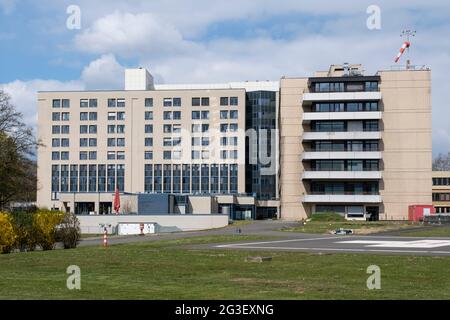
{"x":103,"y":73}
{"x":23,"y":94}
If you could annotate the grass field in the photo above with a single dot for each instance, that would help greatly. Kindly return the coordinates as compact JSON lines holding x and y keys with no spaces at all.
{"x":431,"y":231}
{"x":329,"y":222}
{"x":168,"y":270}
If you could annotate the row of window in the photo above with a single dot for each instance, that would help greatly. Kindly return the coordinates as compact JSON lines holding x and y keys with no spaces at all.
{"x":441,"y":181}
{"x":339,"y":145}
{"x":344,"y":86}
{"x":148,"y":102}
{"x":88,"y":178}
{"x":191,"y":179}
{"x":344,"y":126}
{"x":340,"y":188}
{"x":345,"y":165}
{"x":441,"y":196}
{"x":345,"y":107}
{"x":195,"y":154}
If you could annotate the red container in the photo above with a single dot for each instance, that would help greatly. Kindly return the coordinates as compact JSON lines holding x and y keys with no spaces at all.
{"x":417,"y":212}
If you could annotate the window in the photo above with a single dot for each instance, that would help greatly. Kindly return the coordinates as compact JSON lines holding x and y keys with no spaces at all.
{"x":65,"y":143}
{"x":148,"y":142}
{"x":148,"y":115}
{"x":56,"y":103}
{"x":83,"y":116}
{"x":83,"y":129}
{"x":120,"y":155}
{"x":121,"y":116}
{"x":167,"y":102}
{"x":111,"y":155}
{"x":195,"y":141}
{"x":121,"y":142}
{"x":176,"y":142}
{"x":167,"y":155}
{"x":83,"y":155}
{"x":148,"y":102}
{"x":55,"y":155}
{"x":148,"y":178}
{"x":223,"y":127}
{"x":148,"y":155}
{"x":205,"y":154}
{"x":176,"y":128}
{"x":233,"y":114}
{"x":92,"y":103}
{"x":224,"y":101}
{"x":177,"y":102}
{"x":234,"y":101}
{"x":56,"y":129}
{"x":205,"y":127}
{"x":56,"y":116}
{"x":195,"y":102}
{"x":195,"y":115}
{"x":223,"y":141}
{"x":65,"y":155}
{"x":167,"y":142}
{"x":121,"y":103}
{"x":167,"y":128}
{"x":233,"y":141}
{"x":223,"y":154}
{"x":92,"y":142}
{"x":65,"y":129}
{"x":205,"y":115}
{"x":233,"y":154}
{"x":111,"y":116}
{"x":92,"y":155}
{"x":371,"y":86}
{"x":233,"y":127}
{"x":55,"y":143}
{"x":84,"y":103}
{"x":223,"y":114}
{"x":195,"y":154}
{"x":93,"y":116}
{"x":111,"y":128}
{"x":111,"y":103}
{"x":92,"y":129}
{"x":120,"y":128}
{"x":205,"y":102}
{"x":177,"y":115}
{"x":65,"y":103}
{"x":83,"y":142}
{"x":148,"y":128}
{"x":167,"y":115}
{"x":111,"y":142}
{"x":205,"y":141}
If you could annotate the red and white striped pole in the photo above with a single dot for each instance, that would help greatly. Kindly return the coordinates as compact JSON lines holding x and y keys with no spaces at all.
{"x":105,"y":238}
{"x":405,"y":45}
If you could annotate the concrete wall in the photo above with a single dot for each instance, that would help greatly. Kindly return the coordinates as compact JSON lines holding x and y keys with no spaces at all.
{"x":291,"y":148}
{"x":407,"y":154}
{"x":166,"y":223}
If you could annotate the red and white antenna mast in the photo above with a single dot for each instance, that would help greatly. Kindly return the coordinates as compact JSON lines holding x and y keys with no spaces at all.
{"x":406,"y":45}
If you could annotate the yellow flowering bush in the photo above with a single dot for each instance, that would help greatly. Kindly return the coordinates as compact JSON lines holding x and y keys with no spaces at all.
{"x":45,"y":222}
{"x":7,"y":234}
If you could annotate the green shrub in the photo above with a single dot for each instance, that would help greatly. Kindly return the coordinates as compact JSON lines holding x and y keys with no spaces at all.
{"x":45,"y":222}
{"x":327,"y":217}
{"x":68,"y":232}
{"x":24,"y":228}
{"x":7,"y":235}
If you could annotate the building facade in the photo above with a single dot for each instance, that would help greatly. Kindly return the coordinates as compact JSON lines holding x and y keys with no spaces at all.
{"x":339,"y":141}
{"x":441,"y":191}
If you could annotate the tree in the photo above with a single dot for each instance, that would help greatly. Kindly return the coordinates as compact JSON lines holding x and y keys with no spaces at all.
{"x":17,"y":150}
{"x":442,"y":162}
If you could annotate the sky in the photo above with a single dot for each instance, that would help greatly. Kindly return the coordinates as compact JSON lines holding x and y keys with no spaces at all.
{"x":210,"y":41}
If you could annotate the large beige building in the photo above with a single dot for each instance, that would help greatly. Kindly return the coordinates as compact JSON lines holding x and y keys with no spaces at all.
{"x":339,"y":141}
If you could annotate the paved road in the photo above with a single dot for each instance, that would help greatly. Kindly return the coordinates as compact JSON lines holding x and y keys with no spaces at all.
{"x":292,"y":241}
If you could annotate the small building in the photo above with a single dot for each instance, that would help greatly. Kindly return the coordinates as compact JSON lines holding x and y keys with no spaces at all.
{"x":441,"y":191}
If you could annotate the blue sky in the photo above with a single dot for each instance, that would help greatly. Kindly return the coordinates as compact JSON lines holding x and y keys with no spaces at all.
{"x":200,"y":41}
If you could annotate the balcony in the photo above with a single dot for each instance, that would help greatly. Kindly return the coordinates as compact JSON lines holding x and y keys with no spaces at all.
{"x":353,"y":175}
{"x":341,"y":96}
{"x":342,"y":198}
{"x":361,"y":115}
{"x":342,"y":155}
{"x":342,"y":135}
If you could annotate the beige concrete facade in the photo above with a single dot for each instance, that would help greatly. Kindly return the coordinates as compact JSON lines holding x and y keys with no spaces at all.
{"x":441,"y":191}
{"x":134,"y":135}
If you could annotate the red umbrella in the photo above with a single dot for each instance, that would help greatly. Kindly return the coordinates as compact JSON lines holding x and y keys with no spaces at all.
{"x":117,"y":201}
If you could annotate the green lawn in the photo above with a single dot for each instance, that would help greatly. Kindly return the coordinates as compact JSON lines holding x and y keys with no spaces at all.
{"x":166,"y":270}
